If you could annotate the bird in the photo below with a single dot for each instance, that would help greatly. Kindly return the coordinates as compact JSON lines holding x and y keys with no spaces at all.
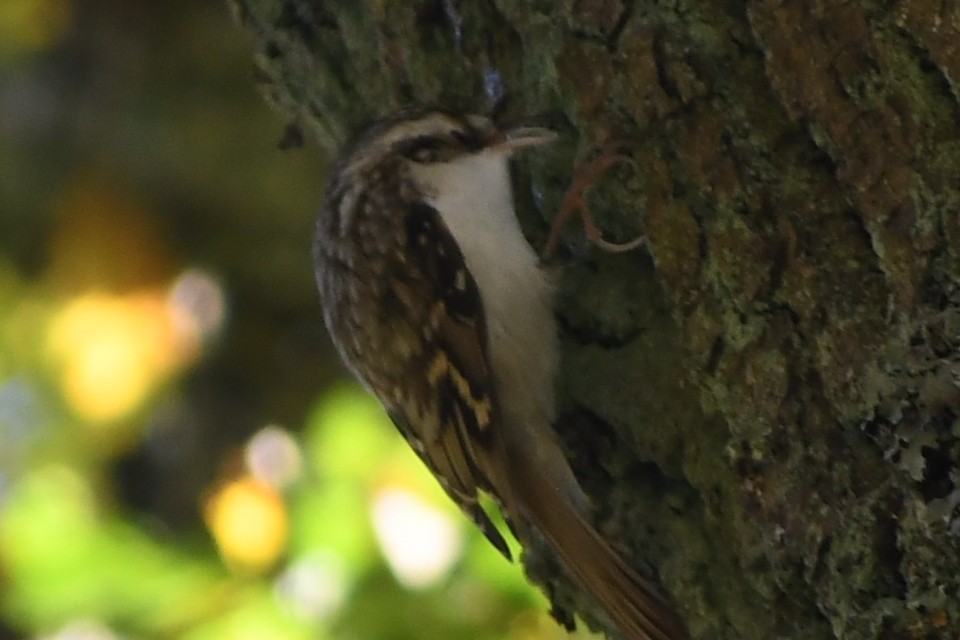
{"x":441,"y":308}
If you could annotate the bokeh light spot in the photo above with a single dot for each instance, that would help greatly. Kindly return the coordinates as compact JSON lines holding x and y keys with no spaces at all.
{"x":421,"y":543}
{"x":274,"y":457}
{"x":248,"y":521}
{"x":112,"y":351}
{"x":315,"y":587}
{"x":84,"y":630}
{"x":28,"y":25}
{"x":198,"y":306}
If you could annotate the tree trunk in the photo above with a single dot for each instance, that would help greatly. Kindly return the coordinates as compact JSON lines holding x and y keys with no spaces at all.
{"x":765,"y":402}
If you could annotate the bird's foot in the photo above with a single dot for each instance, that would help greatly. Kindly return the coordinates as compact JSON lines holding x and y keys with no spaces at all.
{"x":575,"y":201}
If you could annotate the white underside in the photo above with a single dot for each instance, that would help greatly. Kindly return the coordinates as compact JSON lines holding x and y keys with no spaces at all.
{"x":475,"y":200}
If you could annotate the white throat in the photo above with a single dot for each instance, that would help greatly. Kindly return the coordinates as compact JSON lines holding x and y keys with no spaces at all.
{"x":475,"y":201}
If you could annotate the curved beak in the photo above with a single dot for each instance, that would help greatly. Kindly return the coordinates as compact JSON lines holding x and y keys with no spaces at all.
{"x":519,"y":137}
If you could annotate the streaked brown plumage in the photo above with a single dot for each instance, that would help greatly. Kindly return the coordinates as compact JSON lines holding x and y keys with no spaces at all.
{"x":440,"y":308}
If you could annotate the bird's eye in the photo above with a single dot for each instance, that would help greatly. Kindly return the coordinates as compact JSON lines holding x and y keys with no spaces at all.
{"x":425,"y":155}
{"x":423,"y":149}
{"x":467,"y":139}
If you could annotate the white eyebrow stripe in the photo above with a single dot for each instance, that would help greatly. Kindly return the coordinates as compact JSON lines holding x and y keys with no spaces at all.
{"x":435,"y":124}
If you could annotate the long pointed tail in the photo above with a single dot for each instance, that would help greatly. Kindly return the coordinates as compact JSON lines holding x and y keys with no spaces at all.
{"x":631,"y":601}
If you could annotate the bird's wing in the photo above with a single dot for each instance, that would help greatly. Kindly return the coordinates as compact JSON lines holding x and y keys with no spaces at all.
{"x":447,"y":409}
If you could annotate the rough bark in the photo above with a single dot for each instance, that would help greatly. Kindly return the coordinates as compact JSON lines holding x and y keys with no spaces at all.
{"x":765,"y":401}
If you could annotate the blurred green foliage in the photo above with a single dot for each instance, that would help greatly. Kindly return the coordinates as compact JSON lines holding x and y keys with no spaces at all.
{"x":157,"y":322}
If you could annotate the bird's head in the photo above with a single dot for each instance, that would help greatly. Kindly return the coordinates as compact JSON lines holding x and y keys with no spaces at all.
{"x":428,"y":135}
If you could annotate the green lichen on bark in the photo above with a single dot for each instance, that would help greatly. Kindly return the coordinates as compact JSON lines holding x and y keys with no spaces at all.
{"x":765,"y":401}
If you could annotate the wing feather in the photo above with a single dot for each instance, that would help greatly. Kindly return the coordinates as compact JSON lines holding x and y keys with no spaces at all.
{"x":448,"y":414}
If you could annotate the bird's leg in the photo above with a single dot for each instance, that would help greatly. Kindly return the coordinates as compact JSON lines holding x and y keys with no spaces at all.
{"x":575,"y":201}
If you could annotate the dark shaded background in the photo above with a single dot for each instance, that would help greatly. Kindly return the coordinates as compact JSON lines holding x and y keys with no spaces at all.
{"x":153,"y":108}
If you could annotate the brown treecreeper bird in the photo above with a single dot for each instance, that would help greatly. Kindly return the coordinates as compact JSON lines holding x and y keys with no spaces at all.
{"x":440,"y":307}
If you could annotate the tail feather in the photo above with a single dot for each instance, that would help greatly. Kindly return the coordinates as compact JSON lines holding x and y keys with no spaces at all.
{"x":631,"y":601}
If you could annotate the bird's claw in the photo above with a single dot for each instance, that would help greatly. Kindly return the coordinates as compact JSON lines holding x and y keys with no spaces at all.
{"x":575,"y":201}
